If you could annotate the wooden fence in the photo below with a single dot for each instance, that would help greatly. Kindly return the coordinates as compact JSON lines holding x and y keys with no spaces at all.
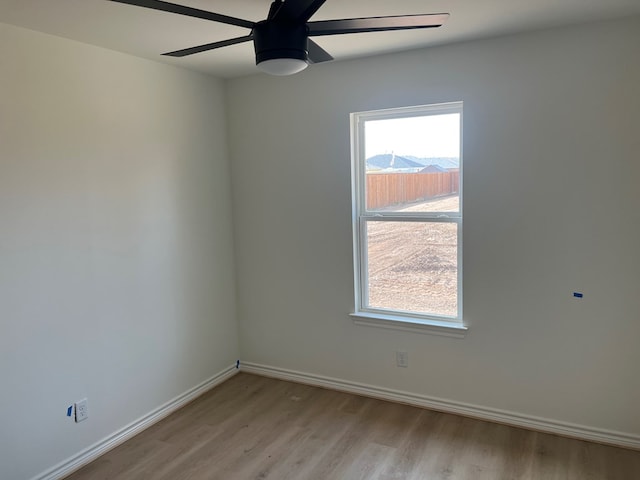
{"x":385,"y":189}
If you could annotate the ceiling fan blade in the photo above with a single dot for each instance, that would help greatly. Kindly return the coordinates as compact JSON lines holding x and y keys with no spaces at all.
{"x":188,"y":11}
{"x":316,"y":53}
{"x":298,"y":10}
{"x":376,"y":24}
{"x":209,"y":46}
{"x":274,"y":9}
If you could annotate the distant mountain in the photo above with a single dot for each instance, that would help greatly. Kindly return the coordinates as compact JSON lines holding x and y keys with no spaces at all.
{"x":390,"y":161}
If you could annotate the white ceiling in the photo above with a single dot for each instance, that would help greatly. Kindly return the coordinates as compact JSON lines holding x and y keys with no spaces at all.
{"x":147,"y":33}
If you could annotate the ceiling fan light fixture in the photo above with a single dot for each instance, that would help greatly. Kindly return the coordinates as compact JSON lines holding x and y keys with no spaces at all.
{"x":281,"y":48}
{"x":282,"y":66}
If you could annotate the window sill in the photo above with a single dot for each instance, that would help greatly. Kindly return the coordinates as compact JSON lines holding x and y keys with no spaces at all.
{"x":392,"y":322}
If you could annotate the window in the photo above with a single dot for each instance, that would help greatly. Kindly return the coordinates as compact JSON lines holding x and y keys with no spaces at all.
{"x":407,"y":217}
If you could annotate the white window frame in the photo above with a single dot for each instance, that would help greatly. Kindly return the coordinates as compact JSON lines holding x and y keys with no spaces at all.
{"x":386,"y":318}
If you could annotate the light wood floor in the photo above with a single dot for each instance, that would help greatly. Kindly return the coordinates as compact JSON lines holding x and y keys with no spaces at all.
{"x":253,"y":427}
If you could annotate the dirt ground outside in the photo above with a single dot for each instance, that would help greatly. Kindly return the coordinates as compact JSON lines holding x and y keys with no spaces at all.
{"x":413,"y":266}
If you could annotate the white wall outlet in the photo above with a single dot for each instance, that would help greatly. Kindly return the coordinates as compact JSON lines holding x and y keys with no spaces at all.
{"x":82,"y":412}
{"x":402,"y":358}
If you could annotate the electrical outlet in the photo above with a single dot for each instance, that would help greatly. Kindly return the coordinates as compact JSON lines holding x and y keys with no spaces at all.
{"x":402,"y":359}
{"x":82,"y":412}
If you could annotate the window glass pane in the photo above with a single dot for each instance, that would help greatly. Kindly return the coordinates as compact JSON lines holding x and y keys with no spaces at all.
{"x":412,"y":266}
{"x":412,"y":161}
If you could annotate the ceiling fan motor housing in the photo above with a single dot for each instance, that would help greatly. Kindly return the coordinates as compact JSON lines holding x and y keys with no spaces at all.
{"x":273,"y":40}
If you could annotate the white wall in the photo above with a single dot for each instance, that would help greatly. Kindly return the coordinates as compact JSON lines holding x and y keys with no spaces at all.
{"x":552,"y":206}
{"x":116,"y":254}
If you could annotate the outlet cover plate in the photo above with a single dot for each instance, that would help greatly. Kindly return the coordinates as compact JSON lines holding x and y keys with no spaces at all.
{"x":402,"y":358}
{"x":82,"y":411}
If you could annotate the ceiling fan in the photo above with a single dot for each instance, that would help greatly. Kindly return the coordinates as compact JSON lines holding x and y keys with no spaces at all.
{"x":281,"y":42}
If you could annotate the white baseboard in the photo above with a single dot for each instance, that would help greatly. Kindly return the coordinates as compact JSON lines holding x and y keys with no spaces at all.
{"x":618,"y":439}
{"x":94,"y":451}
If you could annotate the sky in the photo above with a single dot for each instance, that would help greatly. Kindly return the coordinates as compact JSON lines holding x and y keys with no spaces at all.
{"x":423,"y":137}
